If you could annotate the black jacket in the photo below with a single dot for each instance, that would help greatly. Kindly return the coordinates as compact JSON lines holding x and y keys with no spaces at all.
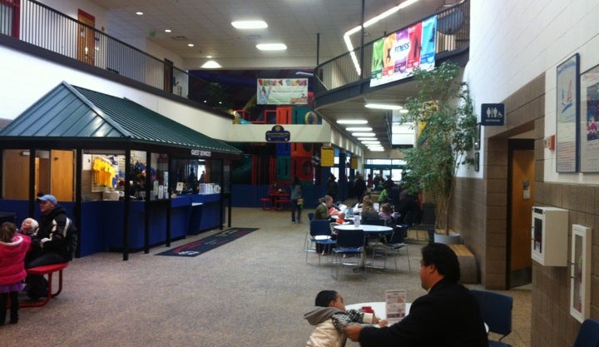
{"x":49,"y":238}
{"x":447,"y":316}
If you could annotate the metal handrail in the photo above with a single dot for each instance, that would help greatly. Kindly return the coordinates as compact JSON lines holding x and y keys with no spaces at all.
{"x":47,"y":28}
{"x":453,"y":34}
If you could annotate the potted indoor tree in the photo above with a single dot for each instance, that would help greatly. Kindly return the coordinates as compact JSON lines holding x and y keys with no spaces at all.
{"x":443,"y":113}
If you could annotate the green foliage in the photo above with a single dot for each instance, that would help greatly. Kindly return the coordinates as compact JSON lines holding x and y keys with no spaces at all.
{"x":444,"y":107}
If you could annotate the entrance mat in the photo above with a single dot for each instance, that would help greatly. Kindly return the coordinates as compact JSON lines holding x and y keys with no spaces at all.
{"x":204,"y":245}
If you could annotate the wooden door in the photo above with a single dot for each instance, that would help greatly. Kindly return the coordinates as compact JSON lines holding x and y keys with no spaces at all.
{"x":16,"y":174}
{"x":86,"y":40}
{"x":62,"y":175}
{"x":521,"y":202}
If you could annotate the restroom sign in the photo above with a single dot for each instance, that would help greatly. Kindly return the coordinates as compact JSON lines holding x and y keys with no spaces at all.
{"x":492,"y":114}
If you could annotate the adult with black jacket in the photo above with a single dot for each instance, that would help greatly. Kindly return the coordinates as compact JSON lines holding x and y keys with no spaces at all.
{"x":447,"y":316}
{"x":332,"y":187}
{"x":359,"y":187}
{"x":49,"y":244}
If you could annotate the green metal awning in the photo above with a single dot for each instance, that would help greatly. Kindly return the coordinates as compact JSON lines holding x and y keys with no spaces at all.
{"x":74,"y":113}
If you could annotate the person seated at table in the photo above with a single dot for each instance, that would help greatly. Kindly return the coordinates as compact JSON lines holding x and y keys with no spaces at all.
{"x":368,"y":211}
{"x":448,"y":315}
{"x":322,"y":211}
{"x":29,"y":226}
{"x":408,"y":208}
{"x":358,"y":206}
{"x":387,"y":214}
{"x":330,"y":317}
{"x":340,"y":218}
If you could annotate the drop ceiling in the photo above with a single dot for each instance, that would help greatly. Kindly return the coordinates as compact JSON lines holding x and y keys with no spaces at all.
{"x":312,"y":30}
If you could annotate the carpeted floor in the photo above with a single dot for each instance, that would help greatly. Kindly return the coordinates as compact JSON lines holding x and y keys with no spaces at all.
{"x":251,"y":292}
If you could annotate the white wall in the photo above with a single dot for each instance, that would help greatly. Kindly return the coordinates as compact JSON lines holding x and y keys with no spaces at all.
{"x":514,"y":41}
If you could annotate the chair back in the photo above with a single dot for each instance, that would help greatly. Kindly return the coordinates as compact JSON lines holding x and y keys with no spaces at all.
{"x":310,"y":216}
{"x":588,"y":335}
{"x":496,"y":310}
{"x":398,"y":235}
{"x":320,"y":227}
{"x":350,"y":238}
{"x":369,"y":221}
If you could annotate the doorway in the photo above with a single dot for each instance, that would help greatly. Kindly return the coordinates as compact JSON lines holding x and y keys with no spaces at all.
{"x":86,"y":40}
{"x":521,"y":199}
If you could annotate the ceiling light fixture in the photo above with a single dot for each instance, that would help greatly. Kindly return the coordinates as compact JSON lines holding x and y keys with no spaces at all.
{"x":249,"y":24}
{"x":376,"y":149}
{"x":363,"y":134}
{"x":190,"y":44}
{"x":167,"y":30}
{"x":383,"y":106}
{"x":271,"y":46}
{"x":350,"y":129}
{"x":211,"y":64}
{"x":364,"y":138}
{"x":139,"y":13}
{"x":372,"y":142}
{"x":352,"y":121}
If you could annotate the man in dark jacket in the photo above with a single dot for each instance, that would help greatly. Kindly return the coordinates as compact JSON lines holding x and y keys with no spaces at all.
{"x":447,"y":316}
{"x":49,"y":244}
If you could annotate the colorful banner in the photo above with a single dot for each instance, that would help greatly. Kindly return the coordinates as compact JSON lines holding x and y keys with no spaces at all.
{"x":282,"y":91}
{"x":395,"y":57}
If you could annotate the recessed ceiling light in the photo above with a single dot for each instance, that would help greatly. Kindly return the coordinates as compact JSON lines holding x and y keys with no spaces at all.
{"x":209,"y":56}
{"x":190,"y":44}
{"x":167,"y":30}
{"x":139,"y":13}
{"x":363,"y":134}
{"x":358,"y":129}
{"x":271,"y":46}
{"x":364,"y":138}
{"x":376,"y":149}
{"x":371,"y":142}
{"x":383,"y":106}
{"x":211,"y":64}
{"x":352,"y":121}
{"x":249,"y":24}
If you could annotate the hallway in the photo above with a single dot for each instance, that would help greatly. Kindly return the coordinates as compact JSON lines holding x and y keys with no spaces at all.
{"x":250,"y":292}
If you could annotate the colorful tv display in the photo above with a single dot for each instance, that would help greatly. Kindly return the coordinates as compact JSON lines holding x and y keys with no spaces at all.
{"x":395,"y":56}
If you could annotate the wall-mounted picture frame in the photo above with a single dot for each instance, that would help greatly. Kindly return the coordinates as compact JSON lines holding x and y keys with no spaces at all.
{"x":589,"y":121}
{"x":580,"y":273}
{"x":567,"y":115}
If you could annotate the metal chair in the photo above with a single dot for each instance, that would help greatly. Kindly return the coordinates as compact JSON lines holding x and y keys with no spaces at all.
{"x":350,"y":243}
{"x":588,"y":335}
{"x":319,"y":234}
{"x":496,"y":310}
{"x":394,"y":244}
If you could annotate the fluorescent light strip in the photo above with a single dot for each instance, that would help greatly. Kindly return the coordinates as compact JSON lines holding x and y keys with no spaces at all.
{"x":376,"y":149}
{"x":363,"y":134}
{"x":350,"y":129}
{"x":352,"y":121}
{"x":249,"y":24}
{"x":271,"y":46}
{"x":371,"y":142}
{"x":383,"y":106}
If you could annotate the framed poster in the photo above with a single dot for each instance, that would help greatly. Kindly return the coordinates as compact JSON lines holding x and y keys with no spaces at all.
{"x":580,"y":273}
{"x":567,"y":88}
{"x":589,"y":116}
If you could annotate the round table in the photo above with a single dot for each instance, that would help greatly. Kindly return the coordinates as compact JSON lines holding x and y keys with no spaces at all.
{"x":381,"y":311}
{"x":368,"y":229}
{"x":378,"y":307}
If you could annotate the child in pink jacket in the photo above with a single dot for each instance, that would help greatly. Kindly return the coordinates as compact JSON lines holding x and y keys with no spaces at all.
{"x":13,"y":247}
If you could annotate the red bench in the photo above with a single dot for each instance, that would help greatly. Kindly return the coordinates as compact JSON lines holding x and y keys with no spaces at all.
{"x":46,"y":270}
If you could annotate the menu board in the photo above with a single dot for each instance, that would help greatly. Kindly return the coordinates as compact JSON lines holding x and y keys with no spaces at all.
{"x":395,"y":304}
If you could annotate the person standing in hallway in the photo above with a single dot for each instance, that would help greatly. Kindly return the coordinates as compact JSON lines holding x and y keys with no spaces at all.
{"x":296,"y":195}
{"x":359,"y":187}
{"x":332,"y":187}
{"x":447,"y":316}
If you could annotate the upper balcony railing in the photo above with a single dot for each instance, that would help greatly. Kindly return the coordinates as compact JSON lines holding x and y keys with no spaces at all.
{"x":453,"y":34}
{"x":40,"y":25}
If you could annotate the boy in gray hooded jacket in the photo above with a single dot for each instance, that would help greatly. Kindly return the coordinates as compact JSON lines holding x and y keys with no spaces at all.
{"x":330,"y":318}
